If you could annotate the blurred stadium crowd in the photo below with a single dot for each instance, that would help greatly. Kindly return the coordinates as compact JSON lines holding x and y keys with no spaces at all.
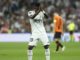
{"x":13,"y":14}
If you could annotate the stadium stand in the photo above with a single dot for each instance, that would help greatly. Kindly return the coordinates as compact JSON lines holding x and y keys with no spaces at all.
{"x":13,"y":14}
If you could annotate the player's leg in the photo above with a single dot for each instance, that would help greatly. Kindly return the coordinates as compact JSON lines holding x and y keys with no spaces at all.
{"x":30,"y":52}
{"x":57,"y":38}
{"x":46,"y":44}
{"x":47,"y":52}
{"x":56,"y":41}
{"x":31,"y":45}
{"x":71,"y":36}
{"x":58,"y":44}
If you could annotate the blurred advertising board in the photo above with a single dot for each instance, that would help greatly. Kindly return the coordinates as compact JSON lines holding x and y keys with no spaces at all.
{"x":14,"y":37}
{"x":21,"y":37}
{"x":65,"y":37}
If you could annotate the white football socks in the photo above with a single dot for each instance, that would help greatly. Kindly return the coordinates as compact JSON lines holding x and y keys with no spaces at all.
{"x":30,"y":54}
{"x":47,"y":53}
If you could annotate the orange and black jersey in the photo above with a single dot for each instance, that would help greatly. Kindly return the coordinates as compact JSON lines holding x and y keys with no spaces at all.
{"x":58,"y":24}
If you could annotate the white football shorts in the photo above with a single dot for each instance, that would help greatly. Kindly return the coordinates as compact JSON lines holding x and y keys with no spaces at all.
{"x":36,"y":37}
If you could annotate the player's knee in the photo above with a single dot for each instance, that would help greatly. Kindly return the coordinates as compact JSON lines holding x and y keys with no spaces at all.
{"x":30,"y":47}
{"x":46,"y":46}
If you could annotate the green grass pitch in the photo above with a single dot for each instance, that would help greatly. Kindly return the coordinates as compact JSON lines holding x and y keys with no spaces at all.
{"x":18,"y":51}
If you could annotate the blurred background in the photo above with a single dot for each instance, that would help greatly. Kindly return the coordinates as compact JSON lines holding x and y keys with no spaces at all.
{"x":15,"y":29}
{"x":14,"y":19}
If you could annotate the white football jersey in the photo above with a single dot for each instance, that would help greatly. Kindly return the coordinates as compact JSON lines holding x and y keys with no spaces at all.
{"x":37,"y":25}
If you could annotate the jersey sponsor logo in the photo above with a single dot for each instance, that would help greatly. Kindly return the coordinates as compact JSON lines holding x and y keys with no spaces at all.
{"x":37,"y":20}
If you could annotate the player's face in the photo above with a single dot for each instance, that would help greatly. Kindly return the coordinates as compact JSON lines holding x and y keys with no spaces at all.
{"x":36,"y":8}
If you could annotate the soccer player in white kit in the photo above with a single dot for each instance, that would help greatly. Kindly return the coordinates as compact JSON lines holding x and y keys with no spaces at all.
{"x":38,"y":31}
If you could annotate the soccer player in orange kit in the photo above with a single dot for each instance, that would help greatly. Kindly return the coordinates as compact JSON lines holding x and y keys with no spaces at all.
{"x":58,"y":30}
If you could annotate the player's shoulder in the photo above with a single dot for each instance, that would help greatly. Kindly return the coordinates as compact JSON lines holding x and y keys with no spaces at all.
{"x":42,"y":12}
{"x":59,"y":17}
